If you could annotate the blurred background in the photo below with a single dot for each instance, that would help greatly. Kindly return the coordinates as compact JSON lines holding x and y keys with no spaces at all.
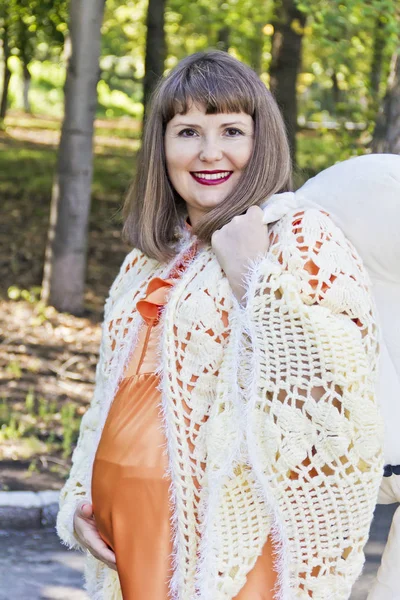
{"x":333,"y":66}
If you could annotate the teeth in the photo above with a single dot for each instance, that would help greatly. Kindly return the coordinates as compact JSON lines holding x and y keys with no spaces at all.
{"x":213,"y":175}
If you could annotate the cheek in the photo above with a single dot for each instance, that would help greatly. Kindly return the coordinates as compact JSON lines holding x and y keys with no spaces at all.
{"x":172,"y":163}
{"x":176,"y":159}
{"x":244,"y":154}
{"x":177,"y":173}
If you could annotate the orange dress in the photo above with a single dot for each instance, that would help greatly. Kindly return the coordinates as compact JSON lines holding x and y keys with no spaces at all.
{"x":129,"y":487}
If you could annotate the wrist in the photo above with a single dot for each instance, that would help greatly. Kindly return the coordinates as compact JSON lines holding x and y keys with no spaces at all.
{"x":239,"y":292}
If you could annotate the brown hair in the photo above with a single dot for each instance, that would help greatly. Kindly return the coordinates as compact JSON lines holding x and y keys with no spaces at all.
{"x":154,"y":212}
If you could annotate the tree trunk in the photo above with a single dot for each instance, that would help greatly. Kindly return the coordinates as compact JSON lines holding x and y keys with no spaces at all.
{"x":26,"y":87}
{"x":155,"y":49}
{"x":335,"y":90}
{"x":223,"y":38}
{"x":377,"y":60}
{"x":65,"y":263}
{"x":256,"y":49}
{"x":24,"y":45}
{"x":6,"y":73}
{"x":387,"y":130}
{"x":285,"y":63}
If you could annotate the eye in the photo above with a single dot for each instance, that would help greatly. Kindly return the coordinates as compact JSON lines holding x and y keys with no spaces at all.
{"x":233,"y":132}
{"x":188,"y":132}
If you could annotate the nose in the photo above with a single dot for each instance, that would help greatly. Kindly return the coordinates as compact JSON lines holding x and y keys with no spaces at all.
{"x":210,"y":150}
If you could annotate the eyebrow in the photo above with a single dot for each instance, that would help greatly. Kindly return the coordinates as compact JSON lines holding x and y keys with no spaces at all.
{"x":222,"y":124}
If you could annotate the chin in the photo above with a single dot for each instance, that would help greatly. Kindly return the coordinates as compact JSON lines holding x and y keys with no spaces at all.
{"x":211,"y":202}
{"x":205,"y":208}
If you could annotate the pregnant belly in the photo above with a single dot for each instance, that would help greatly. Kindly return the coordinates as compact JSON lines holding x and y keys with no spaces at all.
{"x":129,"y":471}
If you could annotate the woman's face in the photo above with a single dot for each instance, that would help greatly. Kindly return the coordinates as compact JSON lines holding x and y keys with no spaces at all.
{"x":206,"y":155}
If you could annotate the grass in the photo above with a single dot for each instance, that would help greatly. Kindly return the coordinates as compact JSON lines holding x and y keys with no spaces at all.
{"x":27,"y":155}
{"x":47,"y":370}
{"x":41,"y":426}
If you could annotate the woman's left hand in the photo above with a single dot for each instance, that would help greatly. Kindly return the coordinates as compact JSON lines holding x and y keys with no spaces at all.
{"x":238,"y":242}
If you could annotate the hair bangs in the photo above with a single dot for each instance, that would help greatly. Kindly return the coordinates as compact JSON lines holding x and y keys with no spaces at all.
{"x":206,"y":85}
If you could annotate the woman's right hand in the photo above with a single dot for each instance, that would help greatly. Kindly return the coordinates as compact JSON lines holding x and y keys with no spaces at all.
{"x":86,"y":533}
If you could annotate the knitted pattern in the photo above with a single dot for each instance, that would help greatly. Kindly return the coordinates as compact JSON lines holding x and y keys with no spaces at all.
{"x":269,"y":413}
{"x":313,"y":428}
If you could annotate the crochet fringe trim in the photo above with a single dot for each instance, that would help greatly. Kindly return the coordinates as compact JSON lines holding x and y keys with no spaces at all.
{"x":190,"y":266}
{"x":283,"y":589}
{"x":206,"y":568}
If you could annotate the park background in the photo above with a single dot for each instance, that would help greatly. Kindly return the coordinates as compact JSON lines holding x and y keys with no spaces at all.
{"x":334,"y":68}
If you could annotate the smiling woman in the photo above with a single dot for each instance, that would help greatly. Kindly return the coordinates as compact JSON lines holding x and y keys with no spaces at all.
{"x":223,"y":456}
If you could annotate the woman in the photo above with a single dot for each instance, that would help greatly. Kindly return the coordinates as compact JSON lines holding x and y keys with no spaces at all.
{"x":248,"y":354}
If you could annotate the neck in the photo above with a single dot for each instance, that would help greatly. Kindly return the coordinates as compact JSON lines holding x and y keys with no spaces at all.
{"x":189,"y":227}
{"x":194,"y":215}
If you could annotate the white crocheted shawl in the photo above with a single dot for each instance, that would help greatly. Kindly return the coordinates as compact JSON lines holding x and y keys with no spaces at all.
{"x":271,"y":421}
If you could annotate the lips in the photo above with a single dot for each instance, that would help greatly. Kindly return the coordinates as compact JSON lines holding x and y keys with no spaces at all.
{"x":211,"y":177}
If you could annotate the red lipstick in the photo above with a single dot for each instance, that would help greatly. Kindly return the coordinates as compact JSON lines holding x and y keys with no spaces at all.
{"x":201,"y":177}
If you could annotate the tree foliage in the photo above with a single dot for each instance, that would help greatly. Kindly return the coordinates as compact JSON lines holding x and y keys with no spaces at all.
{"x":31,"y":29}
{"x":340,"y":66}
{"x":34,"y":23}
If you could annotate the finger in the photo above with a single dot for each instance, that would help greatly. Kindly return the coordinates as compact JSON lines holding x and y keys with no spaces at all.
{"x":254,"y":208}
{"x":110,"y":564}
{"x":86,"y":511}
{"x":93,"y":540}
{"x":255,"y":213}
{"x":214,"y":237}
{"x":100,"y":549}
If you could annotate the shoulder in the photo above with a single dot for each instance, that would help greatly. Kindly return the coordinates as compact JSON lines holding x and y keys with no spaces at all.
{"x":305,"y":225}
{"x":310,"y":234}
{"x":135,"y":266}
{"x":308,"y":244}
